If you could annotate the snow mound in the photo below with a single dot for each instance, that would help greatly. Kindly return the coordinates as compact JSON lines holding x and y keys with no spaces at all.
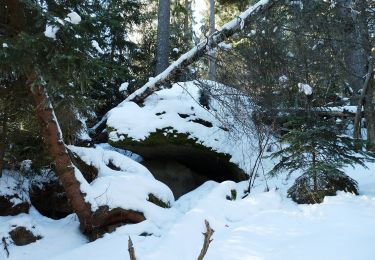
{"x":176,"y":110}
{"x":125,"y":184}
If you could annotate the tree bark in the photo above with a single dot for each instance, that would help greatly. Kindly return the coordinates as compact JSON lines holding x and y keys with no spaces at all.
{"x":355,"y":54}
{"x":3,"y":140}
{"x":63,"y":166}
{"x":370,"y":114}
{"x":366,"y":91}
{"x":212,"y":56}
{"x":92,"y":224}
{"x":162,"y":45}
{"x":228,"y":30}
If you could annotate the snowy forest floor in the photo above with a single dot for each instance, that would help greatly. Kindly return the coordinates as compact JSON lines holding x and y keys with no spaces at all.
{"x":264,"y":225}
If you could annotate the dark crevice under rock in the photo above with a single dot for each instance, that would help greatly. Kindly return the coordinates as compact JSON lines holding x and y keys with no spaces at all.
{"x":179,"y":178}
{"x":181,"y":162}
{"x":50,"y":200}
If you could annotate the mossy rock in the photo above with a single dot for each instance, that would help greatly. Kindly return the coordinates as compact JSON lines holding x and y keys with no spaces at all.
{"x":328,"y":183}
{"x":168,"y":144}
{"x":22,"y":236}
{"x":155,"y":200}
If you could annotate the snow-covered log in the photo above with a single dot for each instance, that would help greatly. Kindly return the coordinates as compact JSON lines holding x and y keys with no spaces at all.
{"x":229,"y":29}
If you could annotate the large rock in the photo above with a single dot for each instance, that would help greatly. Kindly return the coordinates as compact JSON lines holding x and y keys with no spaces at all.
{"x":22,"y":236}
{"x":169,"y":145}
{"x":172,"y":127}
{"x":49,"y":198}
{"x":13,"y":205}
{"x":327,"y":183}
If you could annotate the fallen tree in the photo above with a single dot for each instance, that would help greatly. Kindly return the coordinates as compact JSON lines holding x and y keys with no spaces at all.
{"x":228,"y":30}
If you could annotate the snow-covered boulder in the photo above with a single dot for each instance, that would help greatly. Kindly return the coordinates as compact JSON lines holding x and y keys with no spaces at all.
{"x":172,"y":126}
{"x":22,"y":236}
{"x":304,"y":191}
{"x":122,"y":183}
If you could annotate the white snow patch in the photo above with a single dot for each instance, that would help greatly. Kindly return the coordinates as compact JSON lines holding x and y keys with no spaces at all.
{"x":305,"y":88}
{"x":95,"y":44}
{"x":73,"y":18}
{"x":124,"y":87}
{"x":51,"y":31}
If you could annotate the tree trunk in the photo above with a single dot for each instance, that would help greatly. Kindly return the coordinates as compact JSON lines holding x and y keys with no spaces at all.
{"x":212,"y":56}
{"x":187,"y":29}
{"x":355,"y":54}
{"x":169,"y":74}
{"x":92,"y":224}
{"x":63,"y":166}
{"x":370,"y":114}
{"x":3,"y":140}
{"x":162,"y":45}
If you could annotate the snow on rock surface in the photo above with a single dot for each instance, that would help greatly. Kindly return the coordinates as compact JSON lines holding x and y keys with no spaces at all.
{"x":177,"y":108}
{"x":128,"y":186}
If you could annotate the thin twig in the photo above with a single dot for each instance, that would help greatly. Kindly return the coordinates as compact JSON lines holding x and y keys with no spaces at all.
{"x":131,"y":249}
{"x":5,"y":246}
{"x":207,"y":240}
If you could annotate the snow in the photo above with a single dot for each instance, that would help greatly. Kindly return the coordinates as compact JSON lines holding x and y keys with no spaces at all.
{"x":124,"y":87}
{"x":95,"y":44}
{"x":164,"y":108}
{"x":73,"y":18}
{"x":12,"y":183}
{"x":305,"y":88}
{"x":225,"y":46}
{"x":176,"y":50}
{"x":5,"y":45}
{"x":127,"y":188}
{"x":264,"y":225}
{"x":51,"y":31}
{"x":234,"y":24}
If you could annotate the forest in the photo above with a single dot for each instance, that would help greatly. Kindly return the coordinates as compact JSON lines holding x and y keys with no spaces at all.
{"x":187,"y":129}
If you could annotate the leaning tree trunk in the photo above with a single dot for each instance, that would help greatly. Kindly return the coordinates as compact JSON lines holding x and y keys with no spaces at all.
{"x":162,"y":45}
{"x":93,"y":224}
{"x":63,"y":165}
{"x":228,"y":30}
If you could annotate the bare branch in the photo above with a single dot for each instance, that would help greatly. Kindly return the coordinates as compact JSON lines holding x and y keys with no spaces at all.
{"x":131,"y":249}
{"x":207,"y":240}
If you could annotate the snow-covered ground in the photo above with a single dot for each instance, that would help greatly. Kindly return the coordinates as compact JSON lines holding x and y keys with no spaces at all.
{"x":265,"y":225}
